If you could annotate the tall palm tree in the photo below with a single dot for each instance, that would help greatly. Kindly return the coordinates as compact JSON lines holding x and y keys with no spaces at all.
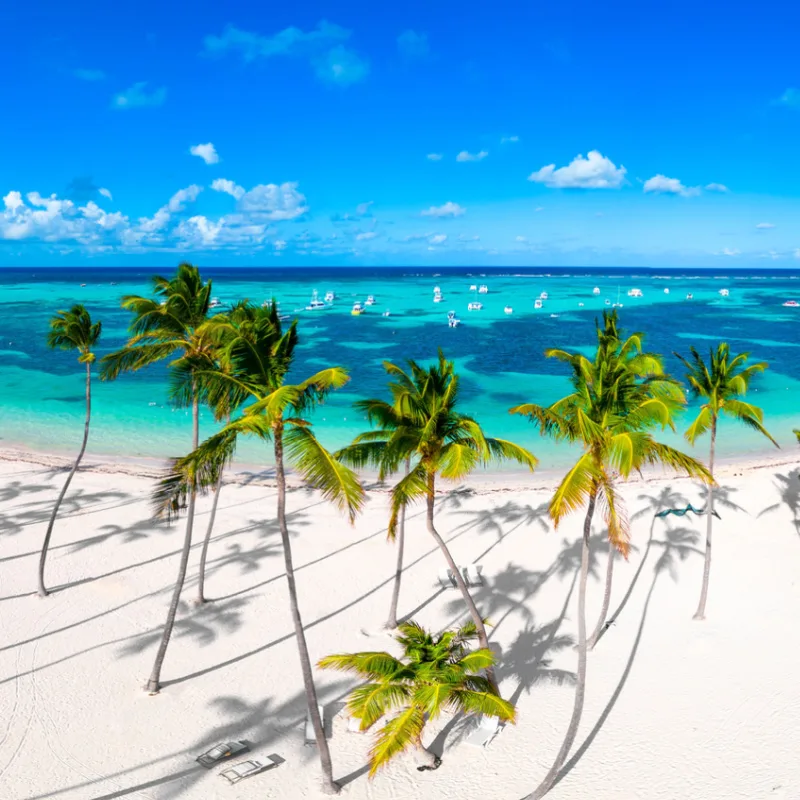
{"x":169,"y":326}
{"x":71,"y":330}
{"x":422,"y":424}
{"x":256,"y":359}
{"x":434,"y":674}
{"x":614,"y":446}
{"x":721,"y":384}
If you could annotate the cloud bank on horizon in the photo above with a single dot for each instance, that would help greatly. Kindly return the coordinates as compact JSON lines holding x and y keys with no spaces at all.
{"x":474,"y":150}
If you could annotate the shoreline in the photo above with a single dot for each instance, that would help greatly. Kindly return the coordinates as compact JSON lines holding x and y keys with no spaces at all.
{"x":482,"y":481}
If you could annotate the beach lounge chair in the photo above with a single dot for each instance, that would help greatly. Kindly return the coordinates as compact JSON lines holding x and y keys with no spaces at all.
{"x":472,"y":574}
{"x":446,"y":579}
{"x":246,"y":769}
{"x":311,"y":737}
{"x":487,"y":729}
{"x":354,"y":725}
{"x":220,"y":752}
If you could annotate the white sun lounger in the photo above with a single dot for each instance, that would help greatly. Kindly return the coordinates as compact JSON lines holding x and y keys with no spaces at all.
{"x":487,"y":729}
{"x":311,"y":736}
{"x":446,"y":579}
{"x":473,"y":574}
{"x":354,"y":725}
{"x":246,"y":769}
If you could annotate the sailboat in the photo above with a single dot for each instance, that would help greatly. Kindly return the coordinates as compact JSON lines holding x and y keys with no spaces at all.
{"x":617,"y":304}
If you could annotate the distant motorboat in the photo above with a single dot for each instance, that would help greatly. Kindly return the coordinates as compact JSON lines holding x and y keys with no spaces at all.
{"x":437,"y":290}
{"x":357,"y":309}
{"x":596,"y":290}
{"x":475,"y":306}
{"x":315,"y":304}
{"x":452,"y":320}
{"x":437,"y":295}
{"x":508,"y":310}
{"x":386,"y":313}
{"x":537,"y":303}
{"x":330,"y":297}
{"x":215,"y":302}
{"x":792,"y":304}
{"x":608,"y":302}
{"x":666,"y":290}
{"x":474,"y":287}
{"x":724,"y":292}
{"x":370,"y":301}
{"x":83,"y":284}
{"x":543,"y":296}
{"x":554,"y":316}
{"x":634,"y":293}
{"x":690,"y":296}
{"x":580,"y":305}
{"x":483,"y":289}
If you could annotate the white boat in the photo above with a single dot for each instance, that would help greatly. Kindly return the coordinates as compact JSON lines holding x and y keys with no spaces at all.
{"x":537,"y":303}
{"x":554,"y":316}
{"x":617,"y":304}
{"x":475,"y":306}
{"x":792,"y":304}
{"x":370,"y":301}
{"x":452,"y":320}
{"x":666,"y":290}
{"x":634,"y":292}
{"x":608,"y":302}
{"x":724,"y":292}
{"x":330,"y":297}
{"x":596,"y":290}
{"x":690,"y":296}
{"x":580,"y":305}
{"x":386,"y":313}
{"x":357,"y":309}
{"x":437,"y":295}
{"x":543,"y":295}
{"x":215,"y":302}
{"x":437,"y":290}
{"x":483,"y":289}
{"x":316,"y":304}
{"x":508,"y":310}
{"x":473,"y":288}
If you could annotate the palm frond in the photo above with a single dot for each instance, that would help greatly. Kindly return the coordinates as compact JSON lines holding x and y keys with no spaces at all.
{"x":397,"y":735}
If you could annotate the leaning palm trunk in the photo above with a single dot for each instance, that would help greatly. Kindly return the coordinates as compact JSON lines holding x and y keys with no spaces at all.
{"x":483,"y":639}
{"x":606,"y":600}
{"x":580,"y":679}
{"x":154,"y":684}
{"x":328,"y":784}
{"x":43,"y":557}
{"x":391,"y":623}
{"x":700,"y":614}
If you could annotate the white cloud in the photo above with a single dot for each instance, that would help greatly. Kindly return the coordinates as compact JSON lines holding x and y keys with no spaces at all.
{"x":464,"y":155}
{"x":593,"y":172}
{"x":188,"y":195}
{"x":727,"y":251}
{"x":105,"y":193}
{"x":791,"y":98}
{"x":366,"y":236}
{"x":205,"y":151}
{"x":412,"y":44}
{"x":137,"y":96}
{"x":465,"y":238}
{"x":764,"y":226}
{"x":717,"y":187}
{"x":539,"y":208}
{"x":661,"y":184}
{"x":362,"y":209}
{"x":797,"y":253}
{"x":439,"y":238}
{"x":91,"y":75}
{"x":509,"y":139}
{"x":773,"y":254}
{"x":273,"y":201}
{"x":322,"y":46}
{"x":448,"y":209}
{"x":279,"y":244}
{"x":521,"y":239}
{"x":228,"y":187}
{"x":434,"y":156}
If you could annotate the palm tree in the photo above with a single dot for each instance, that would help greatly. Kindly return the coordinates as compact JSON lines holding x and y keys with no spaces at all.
{"x":721,"y":383}
{"x":614,"y":445}
{"x":434,"y":674}
{"x":255,"y":360}
{"x":422,"y":425}
{"x":169,"y":326}
{"x":71,"y":330}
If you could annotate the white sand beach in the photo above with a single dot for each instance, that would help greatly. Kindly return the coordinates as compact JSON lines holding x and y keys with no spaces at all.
{"x":674,"y":708}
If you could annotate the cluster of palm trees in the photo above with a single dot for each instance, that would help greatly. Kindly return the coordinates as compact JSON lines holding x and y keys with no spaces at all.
{"x":239,"y":364}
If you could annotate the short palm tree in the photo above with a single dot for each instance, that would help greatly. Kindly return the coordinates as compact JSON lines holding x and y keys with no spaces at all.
{"x":422,"y":424}
{"x":608,"y":414}
{"x":721,"y":383}
{"x":71,"y":330}
{"x":433,"y":674}
{"x":169,"y":326}
{"x":255,"y":360}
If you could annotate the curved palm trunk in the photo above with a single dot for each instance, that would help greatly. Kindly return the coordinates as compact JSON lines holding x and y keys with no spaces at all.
{"x":154,"y":684}
{"x":329,"y":786}
{"x":201,"y":578}
{"x":606,"y":599}
{"x":700,"y":614}
{"x":426,"y":760}
{"x":580,"y":679}
{"x":483,"y":639}
{"x":43,"y":557}
{"x":391,"y":622}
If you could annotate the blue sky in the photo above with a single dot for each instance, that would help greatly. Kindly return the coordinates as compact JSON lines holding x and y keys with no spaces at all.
{"x":568,"y":133}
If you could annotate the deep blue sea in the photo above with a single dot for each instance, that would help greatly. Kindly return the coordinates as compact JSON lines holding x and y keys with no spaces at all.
{"x":499,"y":355}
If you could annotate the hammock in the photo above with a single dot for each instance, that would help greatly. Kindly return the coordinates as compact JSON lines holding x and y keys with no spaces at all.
{"x":682,"y":512}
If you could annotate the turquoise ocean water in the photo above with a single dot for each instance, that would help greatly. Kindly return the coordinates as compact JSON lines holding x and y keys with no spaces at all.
{"x":499,"y":355}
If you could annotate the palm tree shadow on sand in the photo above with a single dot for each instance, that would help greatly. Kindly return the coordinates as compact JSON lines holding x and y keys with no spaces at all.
{"x":788,"y":488}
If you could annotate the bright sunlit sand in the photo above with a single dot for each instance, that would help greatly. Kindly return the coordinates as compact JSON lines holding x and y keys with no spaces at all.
{"x":674,"y":708}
